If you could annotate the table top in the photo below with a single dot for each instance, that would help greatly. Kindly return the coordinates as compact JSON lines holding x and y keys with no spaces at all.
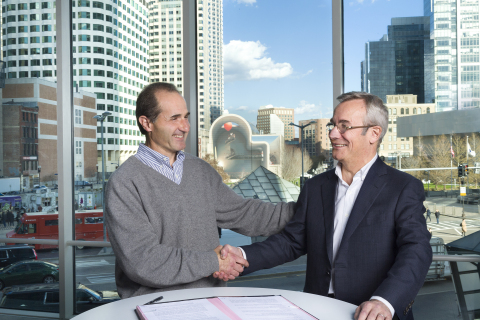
{"x":321,"y":307}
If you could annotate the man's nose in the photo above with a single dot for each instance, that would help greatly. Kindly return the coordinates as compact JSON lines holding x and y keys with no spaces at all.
{"x":334,"y":133}
{"x":185,"y":125}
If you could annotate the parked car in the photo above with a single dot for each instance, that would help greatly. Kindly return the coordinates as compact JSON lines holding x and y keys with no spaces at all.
{"x":12,"y":193}
{"x":30,"y":271}
{"x":15,"y":253}
{"x":82,"y":184}
{"x":42,"y":189}
{"x":45,"y":297}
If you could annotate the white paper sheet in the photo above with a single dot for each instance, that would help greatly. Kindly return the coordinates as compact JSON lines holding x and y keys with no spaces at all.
{"x":265,"y":308}
{"x":200,"y":309}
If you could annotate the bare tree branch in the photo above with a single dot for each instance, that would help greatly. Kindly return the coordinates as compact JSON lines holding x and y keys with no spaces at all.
{"x":292,"y":162}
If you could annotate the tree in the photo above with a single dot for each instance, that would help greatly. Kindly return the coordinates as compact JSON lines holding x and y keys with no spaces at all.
{"x":214,"y":163}
{"x":413,"y":162}
{"x":316,"y":161}
{"x":439,"y":157}
{"x":292,"y":162}
{"x":474,"y":141}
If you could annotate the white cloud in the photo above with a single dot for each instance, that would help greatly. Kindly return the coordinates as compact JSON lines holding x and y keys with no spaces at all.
{"x":241,"y":108}
{"x":305,"y":107}
{"x":246,"y":60}
{"x":247,"y":1}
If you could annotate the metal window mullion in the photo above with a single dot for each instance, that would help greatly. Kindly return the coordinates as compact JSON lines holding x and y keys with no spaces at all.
{"x":337,"y":50}
{"x":65,"y":150}
{"x":190,"y":71}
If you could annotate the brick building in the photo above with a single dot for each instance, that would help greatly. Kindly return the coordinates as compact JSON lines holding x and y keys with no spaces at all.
{"x":29,"y":132}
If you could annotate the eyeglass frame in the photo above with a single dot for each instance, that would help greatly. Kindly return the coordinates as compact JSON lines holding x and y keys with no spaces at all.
{"x":346,"y":128}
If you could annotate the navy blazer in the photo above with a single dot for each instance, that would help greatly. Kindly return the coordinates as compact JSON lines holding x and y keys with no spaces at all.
{"x":385,"y":250}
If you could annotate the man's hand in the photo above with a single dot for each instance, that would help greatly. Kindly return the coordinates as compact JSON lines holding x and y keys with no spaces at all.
{"x":373,"y":310}
{"x":230,"y":265}
{"x":233,"y":250}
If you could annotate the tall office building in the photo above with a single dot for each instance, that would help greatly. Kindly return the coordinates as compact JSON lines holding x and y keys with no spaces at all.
{"x":455,"y":28}
{"x":400,"y":62}
{"x":166,"y":54}
{"x":285,"y":114}
{"x":110,"y":59}
{"x":315,"y":136}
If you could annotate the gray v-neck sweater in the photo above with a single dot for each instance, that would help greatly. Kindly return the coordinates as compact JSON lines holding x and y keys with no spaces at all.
{"x":163,"y":234}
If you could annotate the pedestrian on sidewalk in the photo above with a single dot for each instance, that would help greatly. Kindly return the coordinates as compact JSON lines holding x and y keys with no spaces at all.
{"x":10,"y":218}
{"x":4,"y":218}
{"x":464,"y":227}
{"x":437,"y":215}
{"x":428,"y":215}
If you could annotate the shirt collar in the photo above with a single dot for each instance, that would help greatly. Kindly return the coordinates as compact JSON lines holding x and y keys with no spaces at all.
{"x":143,"y":149}
{"x":362,"y":173}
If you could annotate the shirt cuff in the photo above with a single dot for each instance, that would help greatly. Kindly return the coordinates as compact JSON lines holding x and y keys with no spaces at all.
{"x":389,"y":306}
{"x":243,"y":253}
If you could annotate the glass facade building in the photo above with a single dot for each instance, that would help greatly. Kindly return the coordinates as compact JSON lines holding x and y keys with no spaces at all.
{"x":166,"y":65}
{"x":400,"y":62}
{"x":455,"y":29}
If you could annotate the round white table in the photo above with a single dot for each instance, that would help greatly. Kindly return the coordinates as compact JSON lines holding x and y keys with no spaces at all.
{"x":321,"y":307}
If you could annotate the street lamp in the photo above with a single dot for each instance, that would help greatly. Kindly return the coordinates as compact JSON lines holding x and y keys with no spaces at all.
{"x":301,"y":130}
{"x":102,"y":118}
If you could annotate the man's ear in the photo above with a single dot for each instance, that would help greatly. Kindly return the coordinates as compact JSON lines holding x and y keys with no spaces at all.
{"x":145,"y":123}
{"x":375,"y":135}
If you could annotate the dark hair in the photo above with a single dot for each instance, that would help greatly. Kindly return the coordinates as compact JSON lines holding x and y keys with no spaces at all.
{"x":147,"y":103}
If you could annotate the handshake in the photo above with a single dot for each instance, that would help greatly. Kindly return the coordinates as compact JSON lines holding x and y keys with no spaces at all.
{"x":231,"y":262}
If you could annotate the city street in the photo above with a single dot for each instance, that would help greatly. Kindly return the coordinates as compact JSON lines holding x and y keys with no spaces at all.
{"x":436,"y":300}
{"x":448,"y":227}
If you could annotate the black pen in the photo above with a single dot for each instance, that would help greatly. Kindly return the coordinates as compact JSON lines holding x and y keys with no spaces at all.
{"x":154,"y":300}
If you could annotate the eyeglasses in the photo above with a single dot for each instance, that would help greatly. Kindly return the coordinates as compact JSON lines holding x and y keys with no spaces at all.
{"x":342,"y":127}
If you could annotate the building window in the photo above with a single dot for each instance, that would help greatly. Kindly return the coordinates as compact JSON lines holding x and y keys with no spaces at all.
{"x":78,"y":147}
{"x":78,"y":116}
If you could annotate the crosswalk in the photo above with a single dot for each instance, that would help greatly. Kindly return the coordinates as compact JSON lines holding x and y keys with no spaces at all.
{"x":101,"y":278}
{"x":93,"y":263}
{"x":445,"y":225}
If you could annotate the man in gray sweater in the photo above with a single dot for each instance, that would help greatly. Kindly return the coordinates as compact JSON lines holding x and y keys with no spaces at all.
{"x":163,"y":207}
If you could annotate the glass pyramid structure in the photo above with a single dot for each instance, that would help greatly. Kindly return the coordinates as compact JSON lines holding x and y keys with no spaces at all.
{"x":267,"y":186}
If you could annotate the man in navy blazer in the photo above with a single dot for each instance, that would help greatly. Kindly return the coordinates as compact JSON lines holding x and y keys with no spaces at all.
{"x":361,"y":225}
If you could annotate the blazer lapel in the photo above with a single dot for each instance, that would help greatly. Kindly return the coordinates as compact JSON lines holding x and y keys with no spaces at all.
{"x":373,"y":183}
{"x":329,"y":189}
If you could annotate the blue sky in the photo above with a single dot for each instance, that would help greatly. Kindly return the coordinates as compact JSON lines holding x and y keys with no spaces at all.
{"x":279,"y":53}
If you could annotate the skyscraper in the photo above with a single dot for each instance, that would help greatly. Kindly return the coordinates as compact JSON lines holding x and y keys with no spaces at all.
{"x":400,"y":62}
{"x":166,"y":59}
{"x":455,"y":29}
{"x":110,"y":59}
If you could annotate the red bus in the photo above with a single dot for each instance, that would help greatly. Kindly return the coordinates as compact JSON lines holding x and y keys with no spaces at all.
{"x":44,"y":225}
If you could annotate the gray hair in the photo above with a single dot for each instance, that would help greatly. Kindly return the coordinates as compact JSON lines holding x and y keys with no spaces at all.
{"x":377,"y":113}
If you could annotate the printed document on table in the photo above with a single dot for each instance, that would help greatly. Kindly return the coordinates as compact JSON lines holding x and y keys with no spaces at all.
{"x":264,"y":308}
{"x":184,"y":310}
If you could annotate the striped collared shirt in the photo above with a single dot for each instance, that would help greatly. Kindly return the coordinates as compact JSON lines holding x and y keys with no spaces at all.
{"x":161,"y":163}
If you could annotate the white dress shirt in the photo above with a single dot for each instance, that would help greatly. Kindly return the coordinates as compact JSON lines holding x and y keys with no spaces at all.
{"x":344,"y":201}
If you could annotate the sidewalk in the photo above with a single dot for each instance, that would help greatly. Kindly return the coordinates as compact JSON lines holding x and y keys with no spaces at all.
{"x":451,"y":208}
